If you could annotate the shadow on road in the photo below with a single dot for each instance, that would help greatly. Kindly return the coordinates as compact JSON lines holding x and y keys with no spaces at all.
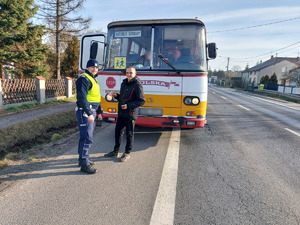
{"x":64,"y":159}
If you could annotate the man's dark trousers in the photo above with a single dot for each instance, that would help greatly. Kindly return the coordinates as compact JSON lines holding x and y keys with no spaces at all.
{"x":86,"y":130}
{"x":123,"y":123}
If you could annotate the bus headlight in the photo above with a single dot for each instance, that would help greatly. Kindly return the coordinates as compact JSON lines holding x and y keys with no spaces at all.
{"x":195,"y":101}
{"x":109,"y":98}
{"x":191,"y":100}
{"x":187,"y":100}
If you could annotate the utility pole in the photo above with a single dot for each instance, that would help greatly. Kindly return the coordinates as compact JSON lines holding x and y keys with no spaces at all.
{"x":227,"y":66}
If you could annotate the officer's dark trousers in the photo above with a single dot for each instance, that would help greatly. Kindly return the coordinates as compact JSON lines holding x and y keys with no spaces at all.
{"x":123,"y":123}
{"x":86,"y":130}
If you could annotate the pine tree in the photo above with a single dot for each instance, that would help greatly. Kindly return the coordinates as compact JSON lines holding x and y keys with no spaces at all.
{"x":262,"y":80}
{"x":265,"y":79}
{"x":20,"y":42}
{"x":273,"y":79}
{"x":70,"y":63}
{"x":247,"y":67}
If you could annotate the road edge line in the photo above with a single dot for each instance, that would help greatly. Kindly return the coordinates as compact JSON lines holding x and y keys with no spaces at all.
{"x":164,"y":207}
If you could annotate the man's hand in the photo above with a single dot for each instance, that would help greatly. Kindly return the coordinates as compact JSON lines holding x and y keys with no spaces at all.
{"x":91,"y":119}
{"x":124,"y":106}
{"x":99,"y":117}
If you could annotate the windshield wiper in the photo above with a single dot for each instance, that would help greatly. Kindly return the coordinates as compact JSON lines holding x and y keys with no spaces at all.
{"x":169,"y":64}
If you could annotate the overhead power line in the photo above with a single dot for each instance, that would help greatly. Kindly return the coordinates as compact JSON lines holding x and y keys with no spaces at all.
{"x":265,"y":54}
{"x":261,"y":25}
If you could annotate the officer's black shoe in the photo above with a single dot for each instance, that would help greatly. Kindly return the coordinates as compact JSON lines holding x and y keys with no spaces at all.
{"x":88,"y":169}
{"x":91,"y":163}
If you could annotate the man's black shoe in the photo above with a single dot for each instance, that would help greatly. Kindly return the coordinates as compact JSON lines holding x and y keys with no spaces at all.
{"x":91,"y":163}
{"x":88,"y":169}
{"x":112,"y":154}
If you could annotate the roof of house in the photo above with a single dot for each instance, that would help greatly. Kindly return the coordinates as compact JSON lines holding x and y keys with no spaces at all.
{"x":272,"y":61}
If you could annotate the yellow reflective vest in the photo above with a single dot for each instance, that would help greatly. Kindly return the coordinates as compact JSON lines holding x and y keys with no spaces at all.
{"x":94,"y":93}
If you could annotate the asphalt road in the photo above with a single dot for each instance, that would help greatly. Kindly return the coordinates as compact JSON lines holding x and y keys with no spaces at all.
{"x":242,"y":168}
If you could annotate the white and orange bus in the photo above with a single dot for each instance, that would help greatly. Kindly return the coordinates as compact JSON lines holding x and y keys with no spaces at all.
{"x":170,"y":56}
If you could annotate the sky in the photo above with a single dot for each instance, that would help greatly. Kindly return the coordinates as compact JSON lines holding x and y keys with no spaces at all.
{"x":227,"y":24}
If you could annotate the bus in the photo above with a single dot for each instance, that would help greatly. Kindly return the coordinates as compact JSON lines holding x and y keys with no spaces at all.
{"x":170,"y":57}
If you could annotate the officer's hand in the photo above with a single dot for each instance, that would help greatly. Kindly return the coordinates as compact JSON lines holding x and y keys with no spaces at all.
{"x":91,"y":119}
{"x":99,"y":117}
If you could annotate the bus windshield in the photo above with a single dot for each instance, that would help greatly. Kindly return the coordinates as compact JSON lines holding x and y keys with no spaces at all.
{"x":179,"y":47}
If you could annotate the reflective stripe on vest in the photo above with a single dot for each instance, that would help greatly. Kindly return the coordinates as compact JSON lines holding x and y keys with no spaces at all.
{"x":94,"y":93}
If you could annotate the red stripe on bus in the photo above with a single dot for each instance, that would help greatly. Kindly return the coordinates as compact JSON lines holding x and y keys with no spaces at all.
{"x":151,"y":75}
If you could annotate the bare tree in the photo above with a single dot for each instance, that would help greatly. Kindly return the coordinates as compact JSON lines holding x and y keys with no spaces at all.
{"x":236,"y":68}
{"x":62,"y":22}
{"x":296,"y":76}
{"x":292,"y":76}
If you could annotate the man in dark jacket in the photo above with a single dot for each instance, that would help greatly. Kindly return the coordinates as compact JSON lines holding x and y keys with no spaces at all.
{"x":131,"y":97}
{"x":88,"y":104}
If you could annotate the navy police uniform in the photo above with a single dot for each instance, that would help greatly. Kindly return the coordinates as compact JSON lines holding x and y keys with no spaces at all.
{"x":88,"y":101}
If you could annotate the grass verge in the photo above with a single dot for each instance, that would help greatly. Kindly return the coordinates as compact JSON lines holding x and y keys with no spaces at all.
{"x":278,"y":96}
{"x":21,"y":137}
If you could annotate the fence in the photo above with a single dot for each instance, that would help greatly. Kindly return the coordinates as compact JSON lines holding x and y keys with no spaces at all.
{"x":289,"y":90}
{"x":14,"y":92}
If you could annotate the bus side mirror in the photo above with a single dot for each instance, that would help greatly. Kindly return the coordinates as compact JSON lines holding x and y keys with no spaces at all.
{"x":212,"y":50}
{"x":94,"y":50}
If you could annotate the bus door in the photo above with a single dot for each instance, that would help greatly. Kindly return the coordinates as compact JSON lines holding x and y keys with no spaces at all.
{"x":92,"y":46}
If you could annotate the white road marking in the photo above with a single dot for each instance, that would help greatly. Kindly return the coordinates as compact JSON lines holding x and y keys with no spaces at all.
{"x":294,"y":132}
{"x":223,"y":97}
{"x":164,"y":207}
{"x":243,"y":107}
{"x":214,"y":92}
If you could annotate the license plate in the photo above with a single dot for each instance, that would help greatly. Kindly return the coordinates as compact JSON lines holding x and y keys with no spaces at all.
{"x":150,"y":112}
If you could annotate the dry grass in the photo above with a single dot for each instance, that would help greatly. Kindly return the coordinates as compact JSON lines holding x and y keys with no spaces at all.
{"x":24,"y":136}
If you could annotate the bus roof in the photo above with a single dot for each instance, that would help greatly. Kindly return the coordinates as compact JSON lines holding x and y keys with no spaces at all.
{"x":154,"y":21}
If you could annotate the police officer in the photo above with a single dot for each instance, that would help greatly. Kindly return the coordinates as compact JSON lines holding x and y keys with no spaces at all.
{"x":88,"y":100}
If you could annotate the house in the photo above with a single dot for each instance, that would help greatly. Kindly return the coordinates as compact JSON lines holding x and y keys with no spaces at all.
{"x":278,"y":65}
{"x":245,"y":76}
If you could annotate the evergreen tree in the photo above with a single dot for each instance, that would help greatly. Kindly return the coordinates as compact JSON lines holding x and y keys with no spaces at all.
{"x":273,"y":79}
{"x":70,"y":63}
{"x":20,"y":42}
{"x":51,"y":61}
{"x":220,"y":74}
{"x":33,"y":61}
{"x":247,"y":67}
{"x":262,"y":80}
{"x":210,"y":72}
{"x":265,"y":79}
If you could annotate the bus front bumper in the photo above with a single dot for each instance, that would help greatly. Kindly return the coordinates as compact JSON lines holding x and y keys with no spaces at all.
{"x":170,"y":121}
